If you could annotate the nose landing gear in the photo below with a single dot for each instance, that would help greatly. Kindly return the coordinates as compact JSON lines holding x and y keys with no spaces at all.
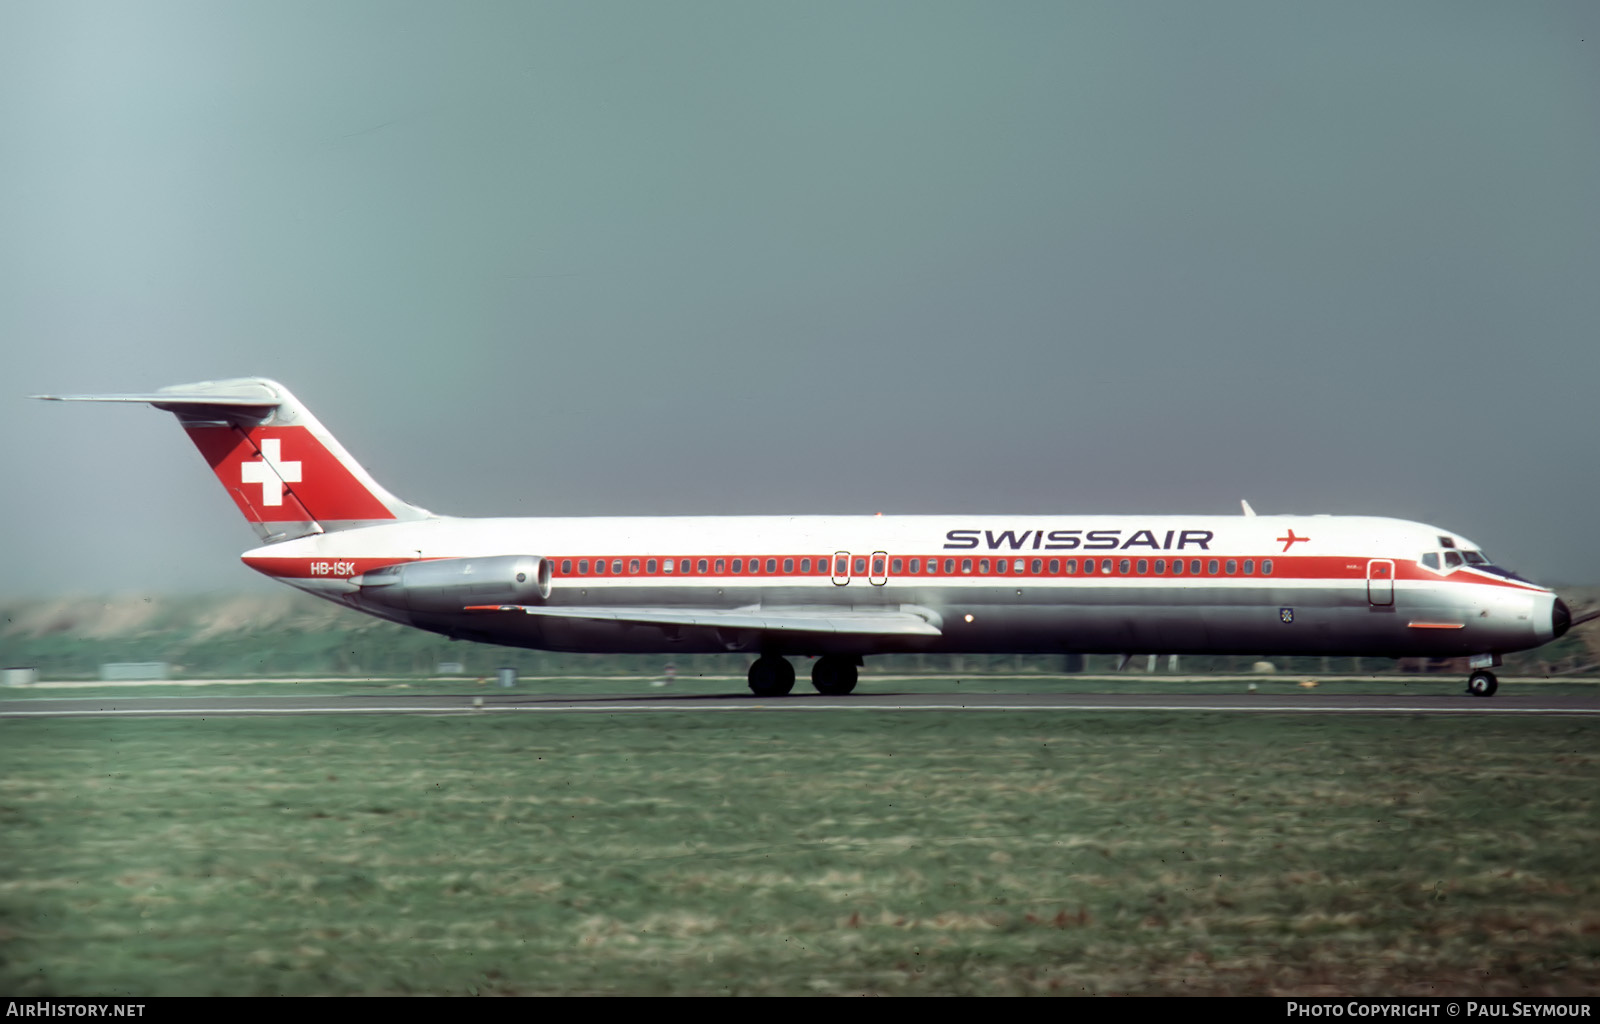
{"x":1482,"y":683}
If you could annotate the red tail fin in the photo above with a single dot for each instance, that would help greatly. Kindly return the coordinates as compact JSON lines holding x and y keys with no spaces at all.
{"x":287,"y":474}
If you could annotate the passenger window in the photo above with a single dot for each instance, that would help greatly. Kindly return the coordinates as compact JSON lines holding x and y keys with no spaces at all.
{"x":722,"y":566}
{"x":738,"y":565}
{"x":650,"y":565}
{"x":1177,"y":567}
{"x":805,"y":565}
{"x":1161,"y":567}
{"x":1088,"y":566}
{"x":566,"y":567}
{"x":1431,"y":560}
{"x":841,"y":566}
{"x":966,"y":565}
{"x":916,"y":565}
{"x":683,"y":566}
{"x":666,"y":565}
{"x":983,"y":567}
{"x":1055,"y":566}
{"x":1017,"y":565}
{"x":788,"y":566}
{"x":1038,"y":565}
{"x":633,"y":566}
{"x":1452,"y":559}
{"x":772,"y":565}
{"x":1142,"y":567}
{"x":895,"y":566}
{"x":700,"y":566}
{"x":1105,"y":565}
{"x":1249,"y":566}
{"x":1000,"y":566}
{"x":861,"y":565}
{"x":1232,"y":567}
{"x":877,"y":567}
{"x":1266,"y":567}
{"x":950,"y":565}
{"x":599,"y":567}
{"x":1194,"y":567}
{"x":583,"y":567}
{"x":1211,"y":567}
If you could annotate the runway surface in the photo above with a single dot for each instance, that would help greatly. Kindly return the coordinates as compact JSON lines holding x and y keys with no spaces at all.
{"x":208,"y":706}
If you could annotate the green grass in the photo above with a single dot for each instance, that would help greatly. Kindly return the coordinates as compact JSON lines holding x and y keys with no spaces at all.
{"x":766,"y":853}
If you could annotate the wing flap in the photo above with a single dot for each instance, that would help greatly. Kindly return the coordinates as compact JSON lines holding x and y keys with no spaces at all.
{"x":791,"y":620}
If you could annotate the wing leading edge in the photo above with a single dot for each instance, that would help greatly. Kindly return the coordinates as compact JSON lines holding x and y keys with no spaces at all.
{"x":901,"y":622}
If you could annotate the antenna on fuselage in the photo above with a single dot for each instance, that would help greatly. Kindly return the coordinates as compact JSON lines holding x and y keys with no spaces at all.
{"x":1246,"y":506}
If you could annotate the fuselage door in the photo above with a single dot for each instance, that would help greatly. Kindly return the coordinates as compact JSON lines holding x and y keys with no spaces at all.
{"x":879,"y":573}
{"x":1380,"y":581}
{"x":841,"y":568}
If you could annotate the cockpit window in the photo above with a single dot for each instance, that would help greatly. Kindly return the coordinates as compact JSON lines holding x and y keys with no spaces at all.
{"x":1474,"y":558}
{"x":1452,"y":559}
{"x":1431,"y":560}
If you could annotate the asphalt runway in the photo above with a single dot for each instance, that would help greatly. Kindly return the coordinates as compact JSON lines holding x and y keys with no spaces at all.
{"x":207,"y":706}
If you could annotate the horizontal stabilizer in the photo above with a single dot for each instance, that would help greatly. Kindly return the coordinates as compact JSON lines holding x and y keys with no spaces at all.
{"x":792,"y":620}
{"x":234,"y":393}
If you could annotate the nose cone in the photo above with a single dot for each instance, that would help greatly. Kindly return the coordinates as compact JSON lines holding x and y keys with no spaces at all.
{"x":1560,"y":618}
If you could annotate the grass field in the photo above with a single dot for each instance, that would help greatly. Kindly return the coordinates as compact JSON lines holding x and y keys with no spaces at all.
{"x":772,"y":853}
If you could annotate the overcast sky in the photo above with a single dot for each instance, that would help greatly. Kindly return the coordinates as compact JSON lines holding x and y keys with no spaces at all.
{"x":639,"y":258}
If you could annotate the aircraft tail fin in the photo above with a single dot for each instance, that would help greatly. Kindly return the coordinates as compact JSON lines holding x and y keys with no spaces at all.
{"x":289,"y":476}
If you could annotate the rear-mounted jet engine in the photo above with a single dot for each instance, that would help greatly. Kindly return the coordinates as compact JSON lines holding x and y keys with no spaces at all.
{"x":451,"y":584}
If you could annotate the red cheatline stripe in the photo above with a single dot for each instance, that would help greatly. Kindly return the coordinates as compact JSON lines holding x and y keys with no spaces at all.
{"x":1317,"y":568}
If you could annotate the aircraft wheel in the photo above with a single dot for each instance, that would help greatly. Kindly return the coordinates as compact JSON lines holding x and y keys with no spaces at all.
{"x":771,"y":677}
{"x":833,"y":675}
{"x":1482,"y":684}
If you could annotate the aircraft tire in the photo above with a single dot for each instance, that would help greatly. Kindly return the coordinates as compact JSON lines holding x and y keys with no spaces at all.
{"x":1482,"y":684}
{"x":833,"y":676}
{"x":771,"y":677}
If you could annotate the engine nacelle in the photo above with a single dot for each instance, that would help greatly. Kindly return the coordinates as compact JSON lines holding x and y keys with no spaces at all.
{"x":451,"y":584}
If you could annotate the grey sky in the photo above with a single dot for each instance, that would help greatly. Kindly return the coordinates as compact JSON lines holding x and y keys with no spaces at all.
{"x":530,"y":259}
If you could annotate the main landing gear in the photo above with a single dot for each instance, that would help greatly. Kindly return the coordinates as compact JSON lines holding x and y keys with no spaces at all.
{"x":833,"y":674}
{"x":771,"y":676}
{"x":1482,"y":683}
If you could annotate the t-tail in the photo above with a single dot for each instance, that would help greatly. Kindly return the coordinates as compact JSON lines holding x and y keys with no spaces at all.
{"x":288,"y":475}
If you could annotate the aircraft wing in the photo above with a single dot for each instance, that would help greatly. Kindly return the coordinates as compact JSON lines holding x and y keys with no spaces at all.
{"x":889,"y":622}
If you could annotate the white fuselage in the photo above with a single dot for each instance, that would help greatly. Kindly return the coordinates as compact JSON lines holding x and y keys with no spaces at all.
{"x":1118,"y":584}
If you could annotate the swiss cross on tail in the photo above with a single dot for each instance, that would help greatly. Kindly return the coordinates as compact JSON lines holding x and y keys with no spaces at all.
{"x":272,"y":473}
{"x":284,"y":475}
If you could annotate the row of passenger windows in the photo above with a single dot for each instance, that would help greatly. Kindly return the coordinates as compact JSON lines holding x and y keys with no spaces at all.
{"x":1088,"y":567}
{"x":857,"y":566}
{"x":686,"y":566}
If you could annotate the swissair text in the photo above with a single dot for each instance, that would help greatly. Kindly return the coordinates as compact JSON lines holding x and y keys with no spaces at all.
{"x":1066,"y":540}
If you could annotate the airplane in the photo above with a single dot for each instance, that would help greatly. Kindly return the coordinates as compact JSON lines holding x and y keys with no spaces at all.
{"x":840,"y":588}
